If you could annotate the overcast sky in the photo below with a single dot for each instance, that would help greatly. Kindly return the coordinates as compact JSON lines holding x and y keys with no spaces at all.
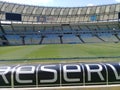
{"x":64,"y":3}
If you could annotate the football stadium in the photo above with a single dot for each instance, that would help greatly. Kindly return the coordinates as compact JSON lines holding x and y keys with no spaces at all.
{"x":62,"y":48}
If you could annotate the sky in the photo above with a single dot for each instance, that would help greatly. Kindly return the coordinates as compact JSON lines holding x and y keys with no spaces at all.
{"x":63,"y":3}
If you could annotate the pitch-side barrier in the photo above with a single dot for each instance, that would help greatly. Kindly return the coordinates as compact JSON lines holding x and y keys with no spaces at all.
{"x":59,"y":75}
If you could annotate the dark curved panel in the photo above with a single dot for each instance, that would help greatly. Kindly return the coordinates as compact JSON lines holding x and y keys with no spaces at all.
{"x":76,"y":74}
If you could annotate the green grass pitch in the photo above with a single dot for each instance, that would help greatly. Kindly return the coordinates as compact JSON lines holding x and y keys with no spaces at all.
{"x":33,"y":52}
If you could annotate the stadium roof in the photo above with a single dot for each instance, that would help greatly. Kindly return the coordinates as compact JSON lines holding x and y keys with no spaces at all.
{"x":64,"y":3}
{"x":65,"y":15}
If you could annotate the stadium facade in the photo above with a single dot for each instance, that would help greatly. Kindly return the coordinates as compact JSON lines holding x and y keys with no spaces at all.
{"x":26,"y":24}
